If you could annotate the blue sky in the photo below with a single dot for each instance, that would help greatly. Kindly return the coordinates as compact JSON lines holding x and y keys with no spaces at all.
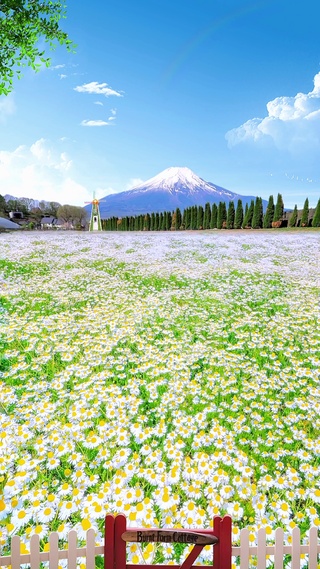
{"x":228,"y":88}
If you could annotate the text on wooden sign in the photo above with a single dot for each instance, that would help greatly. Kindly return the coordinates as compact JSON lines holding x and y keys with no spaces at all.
{"x":169,"y":536}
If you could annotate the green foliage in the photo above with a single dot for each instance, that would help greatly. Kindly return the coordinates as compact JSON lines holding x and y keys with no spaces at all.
{"x":214,"y":216}
{"x":268,"y":217}
{"x":52,"y":209}
{"x":22,"y":24}
{"x":230,"y":215}
{"x":294,"y":217}
{"x":222,"y":215}
{"x":257,"y":217}
{"x":194,"y":217}
{"x":146,"y":225}
{"x":316,"y":217}
{"x":23,"y":205}
{"x":278,"y":210}
{"x":178,"y":218}
{"x":72,"y":214}
{"x":186,"y":218}
{"x":200,"y":214}
{"x":305,"y":214}
{"x":3,"y":206}
{"x":210,"y":217}
{"x":16,"y":268}
{"x":207,"y":216}
{"x":247,"y":221}
{"x":239,"y":215}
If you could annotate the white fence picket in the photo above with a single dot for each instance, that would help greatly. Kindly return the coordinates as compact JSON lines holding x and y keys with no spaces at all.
{"x":278,"y":549}
{"x":262,"y":549}
{"x":53,"y":550}
{"x":35,"y":552}
{"x":244,"y":548}
{"x":90,"y":557}
{"x":295,"y":556}
{"x":244,"y":551}
{"x":15,"y":552}
{"x":72,"y":550}
{"x":313,"y":547}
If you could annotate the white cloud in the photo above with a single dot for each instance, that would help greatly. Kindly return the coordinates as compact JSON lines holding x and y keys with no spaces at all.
{"x":7,"y":107}
{"x":65,"y":163}
{"x":41,"y":152}
{"x":46,"y":157}
{"x":292,"y":124}
{"x":99,"y":122}
{"x":41,"y":171}
{"x":60,"y":66}
{"x":62,"y":76}
{"x":106,"y":191}
{"x":113,"y":115}
{"x":95,"y":123}
{"x":123,"y":187}
{"x":98,"y":103}
{"x":133,"y":182}
{"x":97,"y":89}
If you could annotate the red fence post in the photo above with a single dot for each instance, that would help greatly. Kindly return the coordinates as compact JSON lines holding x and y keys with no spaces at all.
{"x":116,"y":553}
{"x":226,"y":543}
{"x":222,"y":529}
{"x":217,"y":548}
{"x":109,"y":542}
{"x":120,"y":549}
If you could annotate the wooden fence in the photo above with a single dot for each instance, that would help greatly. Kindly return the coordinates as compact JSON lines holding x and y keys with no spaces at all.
{"x":245,"y":555}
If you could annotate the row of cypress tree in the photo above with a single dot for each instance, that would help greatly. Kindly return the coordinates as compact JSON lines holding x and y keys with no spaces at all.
{"x":214,"y":217}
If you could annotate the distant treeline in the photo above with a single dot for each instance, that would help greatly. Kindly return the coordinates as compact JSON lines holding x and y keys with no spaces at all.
{"x":217,"y":217}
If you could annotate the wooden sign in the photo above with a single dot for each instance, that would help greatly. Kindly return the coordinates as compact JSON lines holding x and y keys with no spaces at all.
{"x":169,"y":536}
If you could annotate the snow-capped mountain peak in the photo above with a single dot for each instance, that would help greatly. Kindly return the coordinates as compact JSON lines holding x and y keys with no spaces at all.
{"x":174,"y":179}
{"x":172,"y":188}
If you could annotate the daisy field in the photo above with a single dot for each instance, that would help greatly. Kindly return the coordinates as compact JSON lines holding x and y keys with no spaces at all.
{"x":164,"y":376}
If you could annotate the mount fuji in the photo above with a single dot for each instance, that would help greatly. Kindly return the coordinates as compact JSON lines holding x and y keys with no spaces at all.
{"x":172,"y":188}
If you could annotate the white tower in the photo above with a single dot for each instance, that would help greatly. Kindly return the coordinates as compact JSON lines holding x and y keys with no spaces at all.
{"x":95,"y":219}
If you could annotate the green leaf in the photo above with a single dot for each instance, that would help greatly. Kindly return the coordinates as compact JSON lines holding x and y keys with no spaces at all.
{"x":22,"y":24}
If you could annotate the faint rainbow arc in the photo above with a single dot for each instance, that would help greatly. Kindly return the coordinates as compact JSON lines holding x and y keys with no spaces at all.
{"x":196,"y":40}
